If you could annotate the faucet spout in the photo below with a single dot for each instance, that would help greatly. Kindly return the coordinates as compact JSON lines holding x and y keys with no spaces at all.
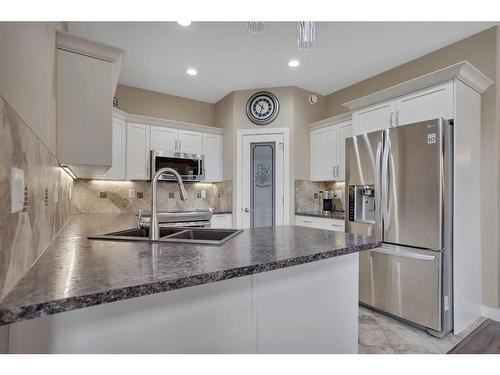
{"x":154,"y":226}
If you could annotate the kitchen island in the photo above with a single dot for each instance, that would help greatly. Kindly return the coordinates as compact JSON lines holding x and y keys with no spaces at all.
{"x":286,"y":289}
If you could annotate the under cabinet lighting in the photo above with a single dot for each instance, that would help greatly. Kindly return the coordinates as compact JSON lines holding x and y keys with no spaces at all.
{"x":293,"y":63}
{"x":191,"y":72}
{"x":184,"y":23}
{"x":68,"y":170}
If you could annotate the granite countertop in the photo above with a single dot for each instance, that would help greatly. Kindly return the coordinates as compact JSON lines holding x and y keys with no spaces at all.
{"x":75,"y":272}
{"x":339,"y":215}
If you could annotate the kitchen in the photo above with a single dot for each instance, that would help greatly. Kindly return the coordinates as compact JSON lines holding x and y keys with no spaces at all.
{"x":271,"y":210}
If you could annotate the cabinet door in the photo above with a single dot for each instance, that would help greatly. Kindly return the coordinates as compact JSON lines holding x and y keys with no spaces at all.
{"x":426,"y":104}
{"x":344,"y":131}
{"x":190,"y":142}
{"x":221,"y":221}
{"x":117,"y":170}
{"x":376,"y":117}
{"x":138,"y":141}
{"x":163,"y":138}
{"x":212,"y":151}
{"x":324,"y":154}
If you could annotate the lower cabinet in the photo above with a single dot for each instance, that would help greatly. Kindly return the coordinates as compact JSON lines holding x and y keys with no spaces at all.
{"x":320,"y":223}
{"x":221,"y":221}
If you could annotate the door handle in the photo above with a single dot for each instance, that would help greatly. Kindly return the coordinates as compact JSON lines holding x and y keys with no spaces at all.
{"x":246,"y":210}
{"x":378,"y":188}
{"x":385,"y":184}
{"x":404,"y":254}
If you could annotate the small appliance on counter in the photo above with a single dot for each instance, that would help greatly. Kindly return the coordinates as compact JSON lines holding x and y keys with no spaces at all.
{"x":326,"y":201}
{"x":191,"y":167}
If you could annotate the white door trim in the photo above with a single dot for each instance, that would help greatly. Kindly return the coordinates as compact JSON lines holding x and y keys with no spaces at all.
{"x":238,"y":172}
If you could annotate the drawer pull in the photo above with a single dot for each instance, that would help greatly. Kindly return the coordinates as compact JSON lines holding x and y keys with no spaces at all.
{"x":307,"y":221}
{"x":337,"y":225}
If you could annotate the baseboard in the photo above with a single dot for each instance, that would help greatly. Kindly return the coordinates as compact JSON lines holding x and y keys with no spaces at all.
{"x":490,"y":312}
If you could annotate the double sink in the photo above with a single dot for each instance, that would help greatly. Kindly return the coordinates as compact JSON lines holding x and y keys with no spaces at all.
{"x":177,"y":235}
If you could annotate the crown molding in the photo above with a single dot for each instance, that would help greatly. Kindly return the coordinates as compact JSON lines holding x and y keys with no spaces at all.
{"x":463,"y":71}
{"x":331,"y":121}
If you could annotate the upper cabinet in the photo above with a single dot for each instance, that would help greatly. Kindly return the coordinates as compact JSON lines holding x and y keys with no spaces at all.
{"x":425,"y":104}
{"x":163,"y":138}
{"x":376,"y":117}
{"x":212,"y":151}
{"x":328,"y":148}
{"x":119,"y":148}
{"x":87,"y":74}
{"x":190,"y":142}
{"x":138,"y":147}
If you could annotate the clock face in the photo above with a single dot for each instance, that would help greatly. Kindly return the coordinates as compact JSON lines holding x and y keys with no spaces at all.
{"x":262,"y":108}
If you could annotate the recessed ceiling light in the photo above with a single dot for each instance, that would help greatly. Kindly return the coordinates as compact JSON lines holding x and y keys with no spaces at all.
{"x":191,"y":72}
{"x":293,"y":63}
{"x":184,"y":23}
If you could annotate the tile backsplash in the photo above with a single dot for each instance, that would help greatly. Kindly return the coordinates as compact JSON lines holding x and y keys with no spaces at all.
{"x":107,"y":196}
{"x":306,"y":195}
{"x":26,"y":234}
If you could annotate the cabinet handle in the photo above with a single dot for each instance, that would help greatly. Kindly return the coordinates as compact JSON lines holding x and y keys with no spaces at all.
{"x":338,"y":173}
{"x":390,"y":121}
{"x":334,"y":174}
{"x":336,"y":225}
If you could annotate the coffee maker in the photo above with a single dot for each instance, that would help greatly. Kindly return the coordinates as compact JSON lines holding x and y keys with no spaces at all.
{"x":326,"y":201}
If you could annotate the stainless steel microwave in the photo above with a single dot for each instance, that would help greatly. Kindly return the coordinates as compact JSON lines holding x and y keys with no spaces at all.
{"x":189,"y":166}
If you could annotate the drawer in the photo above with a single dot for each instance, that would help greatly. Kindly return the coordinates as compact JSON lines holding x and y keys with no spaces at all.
{"x":320,"y":223}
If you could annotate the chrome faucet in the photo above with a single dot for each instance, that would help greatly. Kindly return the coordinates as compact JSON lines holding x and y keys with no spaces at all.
{"x":154,"y":226}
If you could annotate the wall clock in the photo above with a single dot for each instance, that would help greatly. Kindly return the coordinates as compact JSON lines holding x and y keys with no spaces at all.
{"x":262,"y":108}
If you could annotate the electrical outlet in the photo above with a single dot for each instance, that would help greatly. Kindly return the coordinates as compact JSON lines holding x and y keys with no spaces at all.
{"x":103,"y":194}
{"x":46,"y":196}
{"x":131,"y":193}
{"x":203,"y":194}
{"x":171,"y":195}
{"x":198,"y":194}
{"x":218,"y":195}
{"x":140,"y":195}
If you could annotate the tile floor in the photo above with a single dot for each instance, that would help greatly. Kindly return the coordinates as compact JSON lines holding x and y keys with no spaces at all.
{"x":379,"y":334}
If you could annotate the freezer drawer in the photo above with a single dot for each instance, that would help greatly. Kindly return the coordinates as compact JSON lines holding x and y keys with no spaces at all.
{"x":403,"y":281}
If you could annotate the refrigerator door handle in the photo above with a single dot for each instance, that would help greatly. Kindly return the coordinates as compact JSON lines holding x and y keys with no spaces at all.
{"x":378,"y":189}
{"x":385,"y":183}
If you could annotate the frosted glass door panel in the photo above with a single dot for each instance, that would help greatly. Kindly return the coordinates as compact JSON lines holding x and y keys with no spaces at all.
{"x":262,"y":194}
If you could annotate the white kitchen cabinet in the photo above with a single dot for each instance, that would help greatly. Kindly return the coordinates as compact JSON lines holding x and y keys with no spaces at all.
{"x":86,"y":81}
{"x":328,"y":150}
{"x":138,"y":147}
{"x":190,"y":142}
{"x":344,"y":132}
{"x":212,"y":151}
{"x":375,"y":117}
{"x":224,"y":221}
{"x":163,"y":138}
{"x":324,"y":154}
{"x":320,"y":223}
{"x":427,"y":104}
{"x":119,"y":145}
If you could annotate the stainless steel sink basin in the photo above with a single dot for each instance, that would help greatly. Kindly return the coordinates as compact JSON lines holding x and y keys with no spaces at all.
{"x":174,"y":235}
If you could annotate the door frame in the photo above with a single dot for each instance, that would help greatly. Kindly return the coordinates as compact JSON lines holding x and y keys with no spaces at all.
{"x":237,"y":203}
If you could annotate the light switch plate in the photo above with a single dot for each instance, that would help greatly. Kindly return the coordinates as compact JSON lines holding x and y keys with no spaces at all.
{"x":203,"y":194}
{"x":16,"y":190}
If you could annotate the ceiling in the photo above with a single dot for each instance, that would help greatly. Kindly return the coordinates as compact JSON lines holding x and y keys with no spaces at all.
{"x":227,"y":57}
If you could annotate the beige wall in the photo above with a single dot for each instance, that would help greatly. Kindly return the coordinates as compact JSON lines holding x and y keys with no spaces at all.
{"x":27,"y":74}
{"x":295,"y":114}
{"x":481,"y":50}
{"x":155,"y":104}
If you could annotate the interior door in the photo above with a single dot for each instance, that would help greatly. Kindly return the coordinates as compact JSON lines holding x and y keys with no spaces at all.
{"x":412,"y":208}
{"x":263,"y":180}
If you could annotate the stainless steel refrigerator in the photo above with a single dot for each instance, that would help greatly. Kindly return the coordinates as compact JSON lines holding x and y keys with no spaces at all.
{"x":399,"y":188}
